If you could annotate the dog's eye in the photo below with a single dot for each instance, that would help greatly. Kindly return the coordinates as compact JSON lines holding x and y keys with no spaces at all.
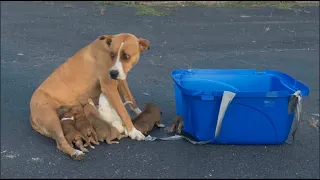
{"x":112,"y":55}
{"x":126,"y":56}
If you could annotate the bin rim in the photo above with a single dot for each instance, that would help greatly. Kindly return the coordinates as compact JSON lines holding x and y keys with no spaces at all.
{"x":284,"y":78}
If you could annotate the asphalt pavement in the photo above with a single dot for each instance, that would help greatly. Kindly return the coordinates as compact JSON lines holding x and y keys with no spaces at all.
{"x":37,"y":37}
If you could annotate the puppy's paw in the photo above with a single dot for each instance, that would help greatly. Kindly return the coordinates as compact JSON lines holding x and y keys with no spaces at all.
{"x":77,"y":155}
{"x":85,"y":150}
{"x":96,"y":143}
{"x":92,"y":147}
{"x":161,"y":125}
{"x":136,"y":135}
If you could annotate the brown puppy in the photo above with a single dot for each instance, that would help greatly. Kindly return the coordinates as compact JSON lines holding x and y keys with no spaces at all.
{"x":176,"y":126}
{"x":69,"y":131}
{"x":84,"y":126}
{"x":86,"y":74}
{"x":105,"y":132}
{"x":150,"y":116}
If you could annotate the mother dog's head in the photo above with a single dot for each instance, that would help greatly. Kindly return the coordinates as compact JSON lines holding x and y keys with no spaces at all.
{"x":124,"y":52}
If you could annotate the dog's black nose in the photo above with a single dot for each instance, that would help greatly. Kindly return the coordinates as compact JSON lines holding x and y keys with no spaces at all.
{"x":114,"y":74}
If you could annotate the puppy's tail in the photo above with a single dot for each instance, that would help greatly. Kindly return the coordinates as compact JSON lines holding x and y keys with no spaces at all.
{"x":90,"y":101}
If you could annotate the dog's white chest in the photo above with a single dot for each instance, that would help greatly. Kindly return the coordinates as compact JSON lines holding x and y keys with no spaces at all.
{"x":108,"y":113}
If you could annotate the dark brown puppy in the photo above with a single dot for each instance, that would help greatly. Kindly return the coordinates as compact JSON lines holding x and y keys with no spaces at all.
{"x":105,"y":132}
{"x":176,"y":126}
{"x":84,"y":126}
{"x":69,"y":131}
{"x":148,"y":118}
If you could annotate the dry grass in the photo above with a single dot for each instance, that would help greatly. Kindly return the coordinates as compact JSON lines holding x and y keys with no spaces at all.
{"x":154,"y":7}
{"x":51,"y":3}
{"x":214,"y":3}
{"x":68,"y":6}
{"x":102,"y":10}
{"x":314,"y":123}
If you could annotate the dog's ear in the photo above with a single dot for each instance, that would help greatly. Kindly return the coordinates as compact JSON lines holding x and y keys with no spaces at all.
{"x":144,"y":44}
{"x":106,"y":38}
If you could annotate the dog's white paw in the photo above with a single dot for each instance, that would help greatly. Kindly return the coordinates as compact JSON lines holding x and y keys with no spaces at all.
{"x":92,"y":147}
{"x":136,"y":135}
{"x":161,"y":125}
{"x":77,"y":155}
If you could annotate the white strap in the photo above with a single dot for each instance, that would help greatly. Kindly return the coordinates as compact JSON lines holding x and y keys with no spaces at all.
{"x":297,"y":117}
{"x":226,"y":100}
{"x":298,"y":111}
{"x":174,"y":138}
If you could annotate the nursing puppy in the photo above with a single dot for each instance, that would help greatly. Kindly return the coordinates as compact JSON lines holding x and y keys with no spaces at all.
{"x":83,"y":125}
{"x":150,"y":117}
{"x":69,"y":131}
{"x":105,"y":131}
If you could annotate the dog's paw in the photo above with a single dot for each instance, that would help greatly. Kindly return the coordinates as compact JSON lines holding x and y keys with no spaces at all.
{"x":92,"y":147}
{"x":136,"y":135}
{"x":77,"y":155}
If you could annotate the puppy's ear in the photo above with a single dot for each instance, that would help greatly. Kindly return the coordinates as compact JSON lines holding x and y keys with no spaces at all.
{"x":106,"y":38}
{"x":144,"y":44}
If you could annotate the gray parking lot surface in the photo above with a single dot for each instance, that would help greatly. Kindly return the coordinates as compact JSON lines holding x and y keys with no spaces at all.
{"x":37,"y":37}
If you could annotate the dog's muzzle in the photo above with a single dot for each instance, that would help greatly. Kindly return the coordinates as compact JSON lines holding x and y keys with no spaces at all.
{"x":114,"y":74}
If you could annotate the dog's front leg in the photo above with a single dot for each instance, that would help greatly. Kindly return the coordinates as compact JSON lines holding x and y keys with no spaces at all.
{"x":109,"y":88}
{"x":125,"y":93}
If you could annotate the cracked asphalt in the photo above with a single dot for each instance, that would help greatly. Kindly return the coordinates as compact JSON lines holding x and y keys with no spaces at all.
{"x":37,"y":37}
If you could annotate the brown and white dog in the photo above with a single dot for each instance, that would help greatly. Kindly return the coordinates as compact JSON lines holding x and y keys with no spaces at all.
{"x":101,"y":66}
{"x":148,"y":118}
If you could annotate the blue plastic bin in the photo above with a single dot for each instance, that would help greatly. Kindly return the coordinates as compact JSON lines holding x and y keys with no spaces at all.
{"x":258,"y":114}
